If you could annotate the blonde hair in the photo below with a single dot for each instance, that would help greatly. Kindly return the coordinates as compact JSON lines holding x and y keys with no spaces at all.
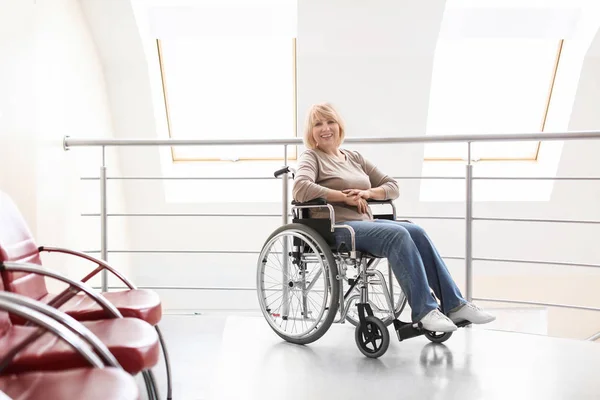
{"x":317,"y":112}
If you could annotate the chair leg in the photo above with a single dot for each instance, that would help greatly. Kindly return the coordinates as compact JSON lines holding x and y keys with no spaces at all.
{"x":152,"y":380}
{"x":167,"y":364}
{"x":150,"y":385}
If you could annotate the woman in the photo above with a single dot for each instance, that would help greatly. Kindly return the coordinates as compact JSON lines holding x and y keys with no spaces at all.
{"x":347,"y":180}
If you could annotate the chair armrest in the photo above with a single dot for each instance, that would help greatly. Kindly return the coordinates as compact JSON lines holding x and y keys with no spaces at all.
{"x":68,"y":293}
{"x":101,"y":264}
{"x":67,"y":321}
{"x":48,"y":324}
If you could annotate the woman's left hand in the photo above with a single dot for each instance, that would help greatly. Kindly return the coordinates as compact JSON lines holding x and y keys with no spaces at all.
{"x":364,"y":194}
{"x":363,"y":206}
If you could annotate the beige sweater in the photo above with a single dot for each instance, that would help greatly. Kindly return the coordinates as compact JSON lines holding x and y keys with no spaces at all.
{"x":319,"y":172}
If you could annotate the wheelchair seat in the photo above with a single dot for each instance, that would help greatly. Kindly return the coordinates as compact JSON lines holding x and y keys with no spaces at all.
{"x":323,"y":225}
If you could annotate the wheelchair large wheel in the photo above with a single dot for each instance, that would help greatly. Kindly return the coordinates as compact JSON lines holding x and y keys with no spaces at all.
{"x":297,"y":285}
{"x":377,"y":299}
{"x":372,"y":338}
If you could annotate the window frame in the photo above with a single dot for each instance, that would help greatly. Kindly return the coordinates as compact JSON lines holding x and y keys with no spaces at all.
{"x":542,"y":127}
{"x":293,"y":156}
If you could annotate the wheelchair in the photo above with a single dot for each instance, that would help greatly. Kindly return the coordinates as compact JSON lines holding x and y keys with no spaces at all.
{"x":304,"y":282}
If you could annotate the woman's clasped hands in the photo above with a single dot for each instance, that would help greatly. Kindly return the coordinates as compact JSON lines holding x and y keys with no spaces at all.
{"x":358,"y":198}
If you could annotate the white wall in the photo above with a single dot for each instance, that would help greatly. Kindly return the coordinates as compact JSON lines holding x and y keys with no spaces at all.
{"x":17,"y":160}
{"x":374,"y":62}
{"x":52,"y":86}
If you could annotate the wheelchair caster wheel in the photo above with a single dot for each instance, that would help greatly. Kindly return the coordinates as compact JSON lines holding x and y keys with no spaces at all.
{"x":372,"y":337}
{"x":438,"y":337}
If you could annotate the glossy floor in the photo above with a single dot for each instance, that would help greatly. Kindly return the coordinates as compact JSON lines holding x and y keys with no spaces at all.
{"x":239,"y":357}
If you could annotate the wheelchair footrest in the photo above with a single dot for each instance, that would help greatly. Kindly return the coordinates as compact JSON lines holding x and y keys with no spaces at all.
{"x":407,"y":330}
{"x":462,"y":324}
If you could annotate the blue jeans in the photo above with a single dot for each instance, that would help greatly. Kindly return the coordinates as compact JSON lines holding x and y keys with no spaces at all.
{"x":413,"y":259}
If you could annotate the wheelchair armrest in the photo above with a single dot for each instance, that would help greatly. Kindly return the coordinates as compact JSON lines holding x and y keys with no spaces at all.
{"x":320,"y":201}
{"x":391,"y":216}
{"x":379,"y":201}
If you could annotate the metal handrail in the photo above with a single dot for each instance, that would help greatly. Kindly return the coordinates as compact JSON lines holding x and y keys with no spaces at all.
{"x":178,"y":178}
{"x":538,"y":178}
{"x":506,"y":260}
{"x":580,"y":135}
{"x":565,"y":221}
{"x":558,"y":221}
{"x":177,"y":215}
{"x":178,"y":251}
{"x":518,"y":261}
{"x":469,"y":179}
{"x":270,"y":178}
{"x":213,"y":288}
{"x":536,"y":303}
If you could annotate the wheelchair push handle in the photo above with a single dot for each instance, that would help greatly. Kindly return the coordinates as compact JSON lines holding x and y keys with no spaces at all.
{"x":284,"y":170}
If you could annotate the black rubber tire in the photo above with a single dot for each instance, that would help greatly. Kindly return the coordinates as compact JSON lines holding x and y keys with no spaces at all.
{"x":325,"y":249}
{"x":373,"y":326}
{"x":438,"y":337}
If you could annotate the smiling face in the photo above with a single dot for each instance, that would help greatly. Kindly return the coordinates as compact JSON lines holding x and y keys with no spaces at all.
{"x":324,"y":129}
{"x":326,"y":133}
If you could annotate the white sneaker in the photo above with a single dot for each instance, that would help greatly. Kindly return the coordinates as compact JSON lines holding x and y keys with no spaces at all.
{"x":472,"y":313}
{"x":435,"y":321}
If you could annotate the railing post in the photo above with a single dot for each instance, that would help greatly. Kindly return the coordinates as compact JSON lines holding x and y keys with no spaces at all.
{"x":103,"y":221}
{"x":284,"y":197}
{"x":284,"y":217}
{"x":469,"y":227}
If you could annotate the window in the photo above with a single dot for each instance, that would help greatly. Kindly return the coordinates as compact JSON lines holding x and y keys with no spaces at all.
{"x":229,"y":88}
{"x":491,"y":85}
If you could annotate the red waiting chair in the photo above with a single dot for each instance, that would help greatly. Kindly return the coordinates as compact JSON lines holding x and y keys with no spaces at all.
{"x":17,"y":245}
{"x":127,"y":342}
{"x":83,"y":383}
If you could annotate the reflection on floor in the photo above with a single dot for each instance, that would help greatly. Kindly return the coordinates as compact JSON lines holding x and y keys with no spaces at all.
{"x":238,"y":357}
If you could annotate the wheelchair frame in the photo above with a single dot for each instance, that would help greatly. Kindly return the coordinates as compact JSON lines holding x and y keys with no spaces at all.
{"x":371,"y":334}
{"x":360,"y":261}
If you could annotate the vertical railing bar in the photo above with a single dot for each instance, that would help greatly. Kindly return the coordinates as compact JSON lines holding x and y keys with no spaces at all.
{"x":285,"y":187}
{"x":469,"y":226}
{"x":284,"y":216}
{"x":103,"y":220}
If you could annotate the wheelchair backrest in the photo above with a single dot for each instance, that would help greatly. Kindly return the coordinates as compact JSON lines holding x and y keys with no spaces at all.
{"x":321,"y":225}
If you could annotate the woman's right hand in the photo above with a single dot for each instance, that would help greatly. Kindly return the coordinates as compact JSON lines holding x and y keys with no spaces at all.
{"x":358,"y":202}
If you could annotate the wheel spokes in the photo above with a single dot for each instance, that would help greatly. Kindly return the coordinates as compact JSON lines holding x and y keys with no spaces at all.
{"x":292,"y":280}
